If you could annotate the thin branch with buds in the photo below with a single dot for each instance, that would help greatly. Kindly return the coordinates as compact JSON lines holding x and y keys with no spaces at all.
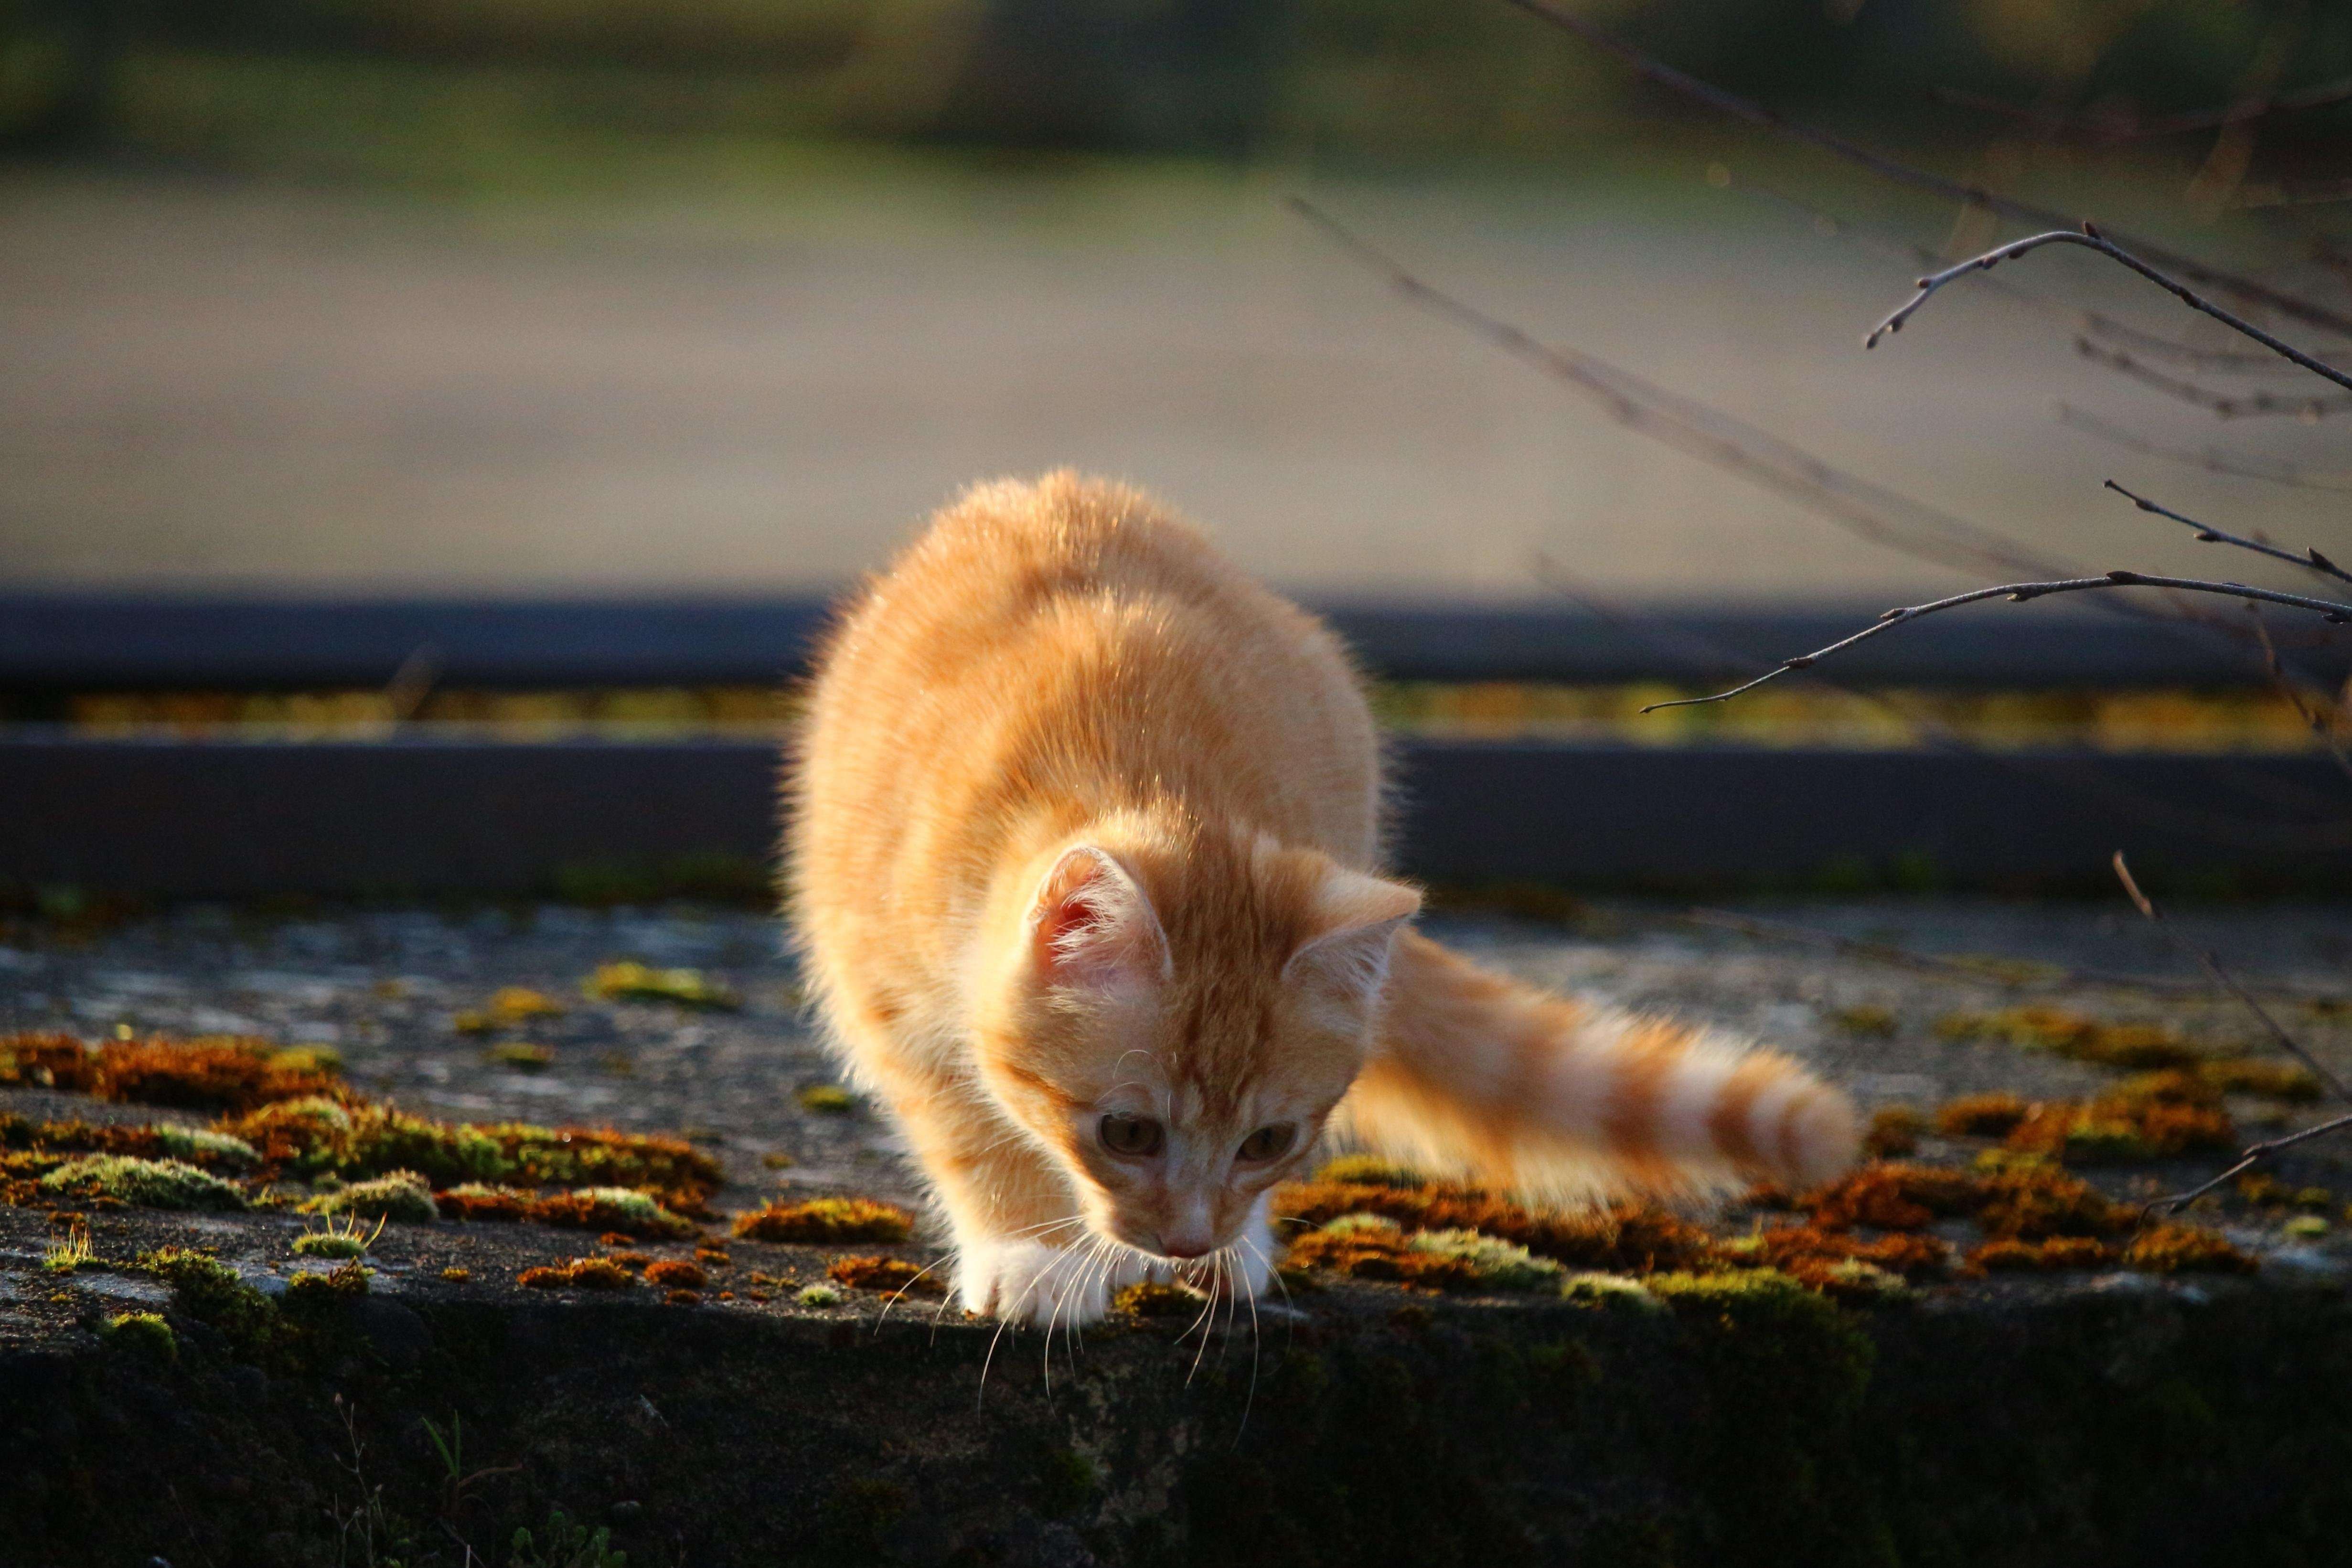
{"x":2089,"y":238}
{"x":2094,"y":323}
{"x":1703,"y":654}
{"x":1870,"y":511}
{"x":2311,"y":560}
{"x":2020,"y":593}
{"x":1894,"y":169}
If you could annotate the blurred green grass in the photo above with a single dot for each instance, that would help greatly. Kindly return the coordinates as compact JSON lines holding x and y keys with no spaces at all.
{"x":461,"y":93}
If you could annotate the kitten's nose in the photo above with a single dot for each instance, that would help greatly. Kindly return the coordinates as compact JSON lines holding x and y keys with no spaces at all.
{"x":1186,"y":1242}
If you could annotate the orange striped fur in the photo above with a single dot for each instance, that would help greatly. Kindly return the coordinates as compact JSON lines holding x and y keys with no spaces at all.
{"x":1084,"y":858}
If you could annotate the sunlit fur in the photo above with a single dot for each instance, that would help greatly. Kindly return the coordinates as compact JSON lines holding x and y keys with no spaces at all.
{"x":1083,"y":822}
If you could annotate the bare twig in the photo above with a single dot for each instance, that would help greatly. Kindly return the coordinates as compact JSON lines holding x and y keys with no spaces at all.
{"x":2211,"y":963}
{"x":2096,"y":323}
{"x":2311,"y":560}
{"x":2020,"y":592}
{"x":2115,"y":129}
{"x":2248,"y":1159}
{"x":1871,"y":511}
{"x":2323,"y":727}
{"x":1703,"y":653}
{"x":2213,"y":461}
{"x":1746,"y":109}
{"x":2090,"y":238}
{"x":2221,"y":406}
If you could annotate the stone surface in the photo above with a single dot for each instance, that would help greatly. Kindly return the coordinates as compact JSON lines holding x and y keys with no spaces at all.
{"x":2085,"y":1419}
{"x":386,"y":987}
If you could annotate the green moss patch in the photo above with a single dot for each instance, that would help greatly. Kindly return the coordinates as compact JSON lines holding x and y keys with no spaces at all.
{"x":1496,"y":1264}
{"x":628,"y":981}
{"x":144,"y":1334}
{"x":150,"y":1183}
{"x":402,"y":1195}
{"x":826,"y":1221}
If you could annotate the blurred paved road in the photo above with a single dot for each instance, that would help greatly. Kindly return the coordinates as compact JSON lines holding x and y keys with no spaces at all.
{"x":205,"y":383}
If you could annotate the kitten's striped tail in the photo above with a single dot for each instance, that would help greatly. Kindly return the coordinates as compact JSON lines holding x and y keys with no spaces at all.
{"x":1475,"y":1075}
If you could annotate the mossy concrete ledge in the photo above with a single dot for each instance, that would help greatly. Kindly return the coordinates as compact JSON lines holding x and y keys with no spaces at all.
{"x":209,"y":1411}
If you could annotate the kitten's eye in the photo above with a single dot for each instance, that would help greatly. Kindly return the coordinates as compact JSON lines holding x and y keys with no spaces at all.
{"x":1134,"y":1136}
{"x":1268,"y":1143}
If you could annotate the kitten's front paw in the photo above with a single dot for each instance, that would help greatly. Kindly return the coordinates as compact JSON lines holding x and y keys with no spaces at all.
{"x":1030,"y":1282}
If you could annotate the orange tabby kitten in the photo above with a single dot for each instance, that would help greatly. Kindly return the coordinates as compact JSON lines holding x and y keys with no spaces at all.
{"x":1085,"y":838}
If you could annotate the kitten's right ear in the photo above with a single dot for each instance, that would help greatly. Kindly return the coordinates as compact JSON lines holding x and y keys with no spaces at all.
{"x":1091,"y":929}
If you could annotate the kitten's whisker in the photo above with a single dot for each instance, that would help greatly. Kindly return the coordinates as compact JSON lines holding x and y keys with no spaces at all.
{"x":1209,"y":1315}
{"x":1250,"y":1399}
{"x":1045,"y":1226}
{"x":979,"y":1401}
{"x":892,"y":1299}
{"x":1273,"y":1272}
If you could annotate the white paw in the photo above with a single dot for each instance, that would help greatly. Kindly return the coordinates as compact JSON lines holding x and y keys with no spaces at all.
{"x":1031,"y":1282}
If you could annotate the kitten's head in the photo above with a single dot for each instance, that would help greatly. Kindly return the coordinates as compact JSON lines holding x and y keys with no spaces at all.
{"x":1172,"y":1018}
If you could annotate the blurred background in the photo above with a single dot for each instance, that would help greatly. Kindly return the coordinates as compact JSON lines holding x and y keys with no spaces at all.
{"x":340,"y":339}
{"x":511,"y":296}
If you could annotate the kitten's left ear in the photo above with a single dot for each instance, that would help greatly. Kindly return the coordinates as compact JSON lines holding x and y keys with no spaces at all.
{"x":1090,"y":928}
{"x":1344,"y":959}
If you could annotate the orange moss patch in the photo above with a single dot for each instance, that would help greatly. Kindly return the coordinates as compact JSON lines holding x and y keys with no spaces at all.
{"x":826,"y":1221}
{"x":1981,"y":1115}
{"x":2127,"y":1045}
{"x":46,"y":1061}
{"x":628,"y":1259}
{"x":579,"y":1274}
{"x":2268,"y":1192}
{"x":677,"y":1273}
{"x":2058,"y":1252}
{"x":1893,"y":1130}
{"x":1626,"y":1237}
{"x":2036,"y":1203}
{"x":620,"y":1215}
{"x":1895,"y":1196}
{"x":1808,"y":1253}
{"x":496,"y":1203}
{"x":2274,"y":1080}
{"x":2185,"y":1249}
{"x":860,"y":1273}
{"x":2153,"y":1115}
{"x":683,"y":1298}
{"x":610,"y":1210}
{"x":1381,"y":1255}
{"x":219,"y":1072}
